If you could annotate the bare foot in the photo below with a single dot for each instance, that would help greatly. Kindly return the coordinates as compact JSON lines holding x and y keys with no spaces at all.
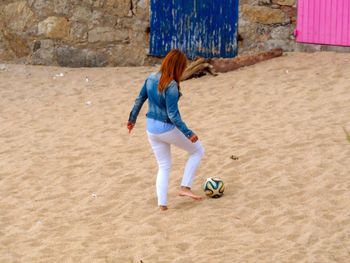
{"x":163,"y":207}
{"x":186,"y":191}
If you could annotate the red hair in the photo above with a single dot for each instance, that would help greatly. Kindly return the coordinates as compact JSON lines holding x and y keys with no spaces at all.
{"x":172,"y":68}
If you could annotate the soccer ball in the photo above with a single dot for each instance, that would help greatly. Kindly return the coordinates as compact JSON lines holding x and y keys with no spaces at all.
{"x":214,"y":187}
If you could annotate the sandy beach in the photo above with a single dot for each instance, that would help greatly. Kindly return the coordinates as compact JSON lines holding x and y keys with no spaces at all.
{"x":76,"y":187}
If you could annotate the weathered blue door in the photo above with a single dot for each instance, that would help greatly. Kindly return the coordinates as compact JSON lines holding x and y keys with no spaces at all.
{"x":206,"y":28}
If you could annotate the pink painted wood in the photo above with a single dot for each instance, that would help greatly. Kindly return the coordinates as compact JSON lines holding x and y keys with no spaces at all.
{"x":323,"y":22}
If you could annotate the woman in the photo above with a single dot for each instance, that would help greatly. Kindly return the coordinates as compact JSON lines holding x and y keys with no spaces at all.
{"x":165,"y":126}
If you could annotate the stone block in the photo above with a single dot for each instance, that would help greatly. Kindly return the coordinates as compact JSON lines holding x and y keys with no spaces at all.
{"x":247,"y":30}
{"x":100,"y":18}
{"x":18,"y":44}
{"x":125,"y":22}
{"x":140,"y":9}
{"x":78,"y":32}
{"x":81,"y":13}
{"x":248,"y":2}
{"x":42,"y":7}
{"x":32,"y":32}
{"x":5,"y":52}
{"x":140,"y":39}
{"x":286,"y":45}
{"x":275,"y":6}
{"x":341,"y":49}
{"x":122,"y":55}
{"x":54,"y":27}
{"x":107,"y":34}
{"x":18,"y":17}
{"x":121,"y":8}
{"x":139,"y":25}
{"x":62,"y":7}
{"x":143,"y":4}
{"x":96,"y":59}
{"x":74,"y":57}
{"x":264,"y":15}
{"x":284,"y":2}
{"x":264,"y":2}
{"x":281,"y":32}
{"x":43,"y":52}
{"x":291,"y":12}
{"x":301,"y":47}
{"x":70,"y":57}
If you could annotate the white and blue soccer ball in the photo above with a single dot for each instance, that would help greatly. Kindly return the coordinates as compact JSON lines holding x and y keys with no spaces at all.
{"x":214,"y":187}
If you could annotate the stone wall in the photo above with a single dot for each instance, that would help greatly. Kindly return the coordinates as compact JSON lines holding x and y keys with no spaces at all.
{"x":116,"y":32}
{"x":266,"y":24}
{"x":74,"y":32}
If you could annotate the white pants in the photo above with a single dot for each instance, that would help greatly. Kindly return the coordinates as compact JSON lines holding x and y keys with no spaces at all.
{"x":161,"y":147}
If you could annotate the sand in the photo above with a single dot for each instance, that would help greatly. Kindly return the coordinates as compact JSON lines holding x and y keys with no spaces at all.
{"x":76,"y":187}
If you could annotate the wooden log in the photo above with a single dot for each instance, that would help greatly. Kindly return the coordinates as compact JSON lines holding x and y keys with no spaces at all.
{"x":229,"y":64}
{"x":201,"y":66}
{"x":197,"y":68}
{"x":196,"y":62}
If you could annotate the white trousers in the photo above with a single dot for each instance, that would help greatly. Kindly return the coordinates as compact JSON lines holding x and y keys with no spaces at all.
{"x":161,"y":147}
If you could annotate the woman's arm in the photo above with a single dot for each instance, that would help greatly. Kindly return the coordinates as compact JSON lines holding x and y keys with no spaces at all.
{"x":138,"y":105}
{"x":171,"y":99}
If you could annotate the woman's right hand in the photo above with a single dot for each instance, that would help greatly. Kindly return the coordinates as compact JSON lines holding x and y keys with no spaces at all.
{"x":130,"y":126}
{"x":194,"y":138}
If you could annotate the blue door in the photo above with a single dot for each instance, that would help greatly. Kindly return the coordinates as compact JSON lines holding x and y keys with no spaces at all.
{"x":206,"y":28}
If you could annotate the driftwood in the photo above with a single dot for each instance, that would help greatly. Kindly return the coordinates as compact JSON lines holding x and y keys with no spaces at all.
{"x":201,"y":66}
{"x":229,"y":64}
{"x":197,"y":68}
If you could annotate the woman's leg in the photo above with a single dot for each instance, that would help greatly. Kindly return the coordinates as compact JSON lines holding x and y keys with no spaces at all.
{"x":163,"y":155}
{"x":196,"y":152}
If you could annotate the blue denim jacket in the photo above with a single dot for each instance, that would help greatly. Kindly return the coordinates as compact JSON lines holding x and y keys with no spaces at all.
{"x":161,"y":106}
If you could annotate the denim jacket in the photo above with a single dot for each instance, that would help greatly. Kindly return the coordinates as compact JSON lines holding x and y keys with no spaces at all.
{"x":161,"y":106}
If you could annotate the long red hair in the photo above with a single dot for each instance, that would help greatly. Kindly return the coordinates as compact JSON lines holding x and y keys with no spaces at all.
{"x":172,"y":68}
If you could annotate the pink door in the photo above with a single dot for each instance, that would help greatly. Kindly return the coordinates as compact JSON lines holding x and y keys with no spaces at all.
{"x":323,"y":22}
